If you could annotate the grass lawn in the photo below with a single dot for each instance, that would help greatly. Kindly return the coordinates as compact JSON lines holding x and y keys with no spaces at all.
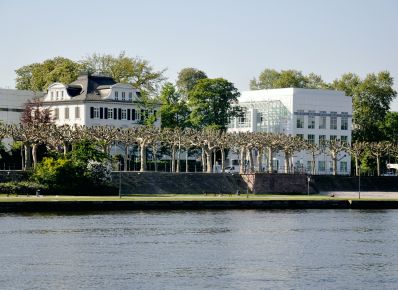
{"x":174,"y":197}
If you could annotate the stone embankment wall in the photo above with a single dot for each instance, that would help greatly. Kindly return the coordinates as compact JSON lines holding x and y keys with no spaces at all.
{"x":199,"y":183}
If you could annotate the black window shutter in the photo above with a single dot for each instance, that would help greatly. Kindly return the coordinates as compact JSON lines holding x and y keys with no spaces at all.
{"x":92,"y":112}
{"x":128,"y":114}
{"x":114,"y":113}
{"x":154,"y":113}
{"x":120,"y":114}
{"x":106,"y":113}
{"x":133,"y":114}
{"x":101,"y":113}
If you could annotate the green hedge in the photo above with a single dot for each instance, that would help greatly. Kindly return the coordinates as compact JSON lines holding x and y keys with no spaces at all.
{"x":23,"y":187}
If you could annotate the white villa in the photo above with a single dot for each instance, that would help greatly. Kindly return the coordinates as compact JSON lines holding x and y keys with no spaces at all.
{"x":312,"y":114}
{"x":94,"y":100}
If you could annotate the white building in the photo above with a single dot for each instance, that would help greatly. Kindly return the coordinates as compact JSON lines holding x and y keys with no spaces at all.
{"x":94,"y":100}
{"x":312,"y":114}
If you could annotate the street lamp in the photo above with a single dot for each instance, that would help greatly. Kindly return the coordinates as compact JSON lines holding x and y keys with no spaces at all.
{"x":308,"y":184}
{"x":359,"y":181}
{"x":120,"y":181}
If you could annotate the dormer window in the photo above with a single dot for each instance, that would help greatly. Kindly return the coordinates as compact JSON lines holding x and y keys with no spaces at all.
{"x":116,"y":96}
{"x":56,"y":94}
{"x":52,"y":95}
{"x":130,"y":96}
{"x":123,"y":96}
{"x":62,"y":95}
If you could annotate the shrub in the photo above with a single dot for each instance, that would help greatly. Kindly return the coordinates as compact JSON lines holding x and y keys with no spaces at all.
{"x":23,"y":187}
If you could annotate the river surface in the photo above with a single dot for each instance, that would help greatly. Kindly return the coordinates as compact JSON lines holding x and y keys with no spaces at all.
{"x":242,"y":249}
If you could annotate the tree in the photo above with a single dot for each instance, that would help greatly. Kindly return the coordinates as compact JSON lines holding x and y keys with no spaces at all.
{"x":135,"y":71}
{"x":273,"y":79}
{"x":38,"y":76}
{"x":188,"y":78}
{"x":211,"y":103}
{"x":174,"y":110}
{"x":371,"y":102}
{"x":377,"y":150}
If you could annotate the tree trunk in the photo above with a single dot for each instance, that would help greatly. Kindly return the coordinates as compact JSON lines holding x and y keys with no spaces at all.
{"x":251,"y":163}
{"x":143,"y":156}
{"x":203,"y":160}
{"x":378,"y":165}
{"x":270,"y":161}
{"x":178,"y":158}
{"x":34,"y":155}
{"x":260,"y":159}
{"x":28,"y":162}
{"x":356,"y":166}
{"x":126,"y":152}
{"x":173,"y":158}
{"x":242,"y":160}
{"x":222,"y":160}
{"x":186,"y":159}
{"x":334,"y":162}
{"x":65,"y":148}
{"x":23,"y":157}
{"x":214,"y":160}
{"x":208,"y":160}
{"x":287,"y":169}
{"x":313,"y":164}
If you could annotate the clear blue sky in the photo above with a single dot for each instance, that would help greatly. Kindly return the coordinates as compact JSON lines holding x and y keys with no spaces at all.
{"x":231,"y":39}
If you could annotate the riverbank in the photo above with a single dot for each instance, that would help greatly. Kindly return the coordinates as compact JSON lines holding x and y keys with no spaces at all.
{"x":192,"y":202}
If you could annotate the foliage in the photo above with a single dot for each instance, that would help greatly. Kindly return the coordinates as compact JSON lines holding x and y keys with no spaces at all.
{"x":371,"y":102}
{"x":273,"y":79}
{"x":211,"y":102}
{"x":389,"y":127}
{"x":22,"y":187}
{"x":188,"y":78}
{"x":38,"y":76}
{"x":135,"y":71}
{"x":86,"y":151}
{"x":34,"y":112}
{"x":99,"y":172}
{"x":174,"y":110}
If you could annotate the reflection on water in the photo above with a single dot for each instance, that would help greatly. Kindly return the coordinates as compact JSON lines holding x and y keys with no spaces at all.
{"x":302,"y":249}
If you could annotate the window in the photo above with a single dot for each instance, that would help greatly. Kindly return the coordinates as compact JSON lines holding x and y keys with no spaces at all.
{"x":62,"y":95}
{"x":124,"y":114}
{"x":311,"y":119}
{"x":116,"y":96}
{"x":344,"y":140}
{"x":333,"y":137}
{"x":96,"y":113}
{"x":321,"y":166}
{"x":130,"y":96}
{"x":56,"y":114}
{"x":110,"y":113}
{"x":301,"y":136}
{"x":123,"y":96}
{"x":52,"y":95}
{"x":322,"y":139}
{"x":66,"y":113}
{"x":311,"y":138}
{"x":330,"y":166}
{"x":300,"y":119}
{"x":333,"y":120}
{"x":56,"y":95}
{"x":344,"y":121}
{"x":322,"y":120}
{"x":77,"y":112}
{"x":343,"y":167}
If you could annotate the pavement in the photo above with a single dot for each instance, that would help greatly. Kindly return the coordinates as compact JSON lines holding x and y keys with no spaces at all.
{"x":364,"y":194}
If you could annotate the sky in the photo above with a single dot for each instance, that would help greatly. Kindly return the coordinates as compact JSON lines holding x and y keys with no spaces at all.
{"x":232,"y":39}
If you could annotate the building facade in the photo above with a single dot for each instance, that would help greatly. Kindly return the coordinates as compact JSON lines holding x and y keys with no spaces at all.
{"x":12,"y":104}
{"x":94,"y":100}
{"x":312,"y":114}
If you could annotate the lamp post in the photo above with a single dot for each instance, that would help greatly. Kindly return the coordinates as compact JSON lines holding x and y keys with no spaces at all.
{"x":308,"y":184}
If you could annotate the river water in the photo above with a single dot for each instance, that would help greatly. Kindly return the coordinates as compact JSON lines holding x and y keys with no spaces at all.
{"x":242,"y":249}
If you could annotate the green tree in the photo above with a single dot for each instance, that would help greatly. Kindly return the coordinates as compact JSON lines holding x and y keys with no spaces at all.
{"x":187,"y":79}
{"x":38,"y":76}
{"x":210,"y":102}
{"x":135,"y":71}
{"x":174,"y":110}
{"x":389,"y":127}
{"x":371,"y":99}
{"x":273,"y":79}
